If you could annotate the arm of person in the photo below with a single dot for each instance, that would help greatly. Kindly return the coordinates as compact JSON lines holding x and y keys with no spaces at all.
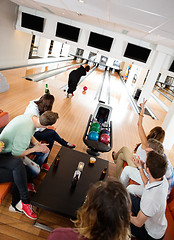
{"x":141,"y":131}
{"x":34,"y":141}
{"x":138,"y":164}
{"x":139,"y":220}
{"x":40,"y":147}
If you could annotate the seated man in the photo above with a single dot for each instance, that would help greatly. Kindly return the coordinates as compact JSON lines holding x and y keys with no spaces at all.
{"x":18,"y":134}
{"x":148,"y":219}
{"x":140,"y":176}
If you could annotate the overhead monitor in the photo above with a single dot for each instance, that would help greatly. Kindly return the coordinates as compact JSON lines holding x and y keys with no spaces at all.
{"x":67,"y":32}
{"x":32,"y":22}
{"x":100,"y":41}
{"x":172,"y":67}
{"x":137,"y":53}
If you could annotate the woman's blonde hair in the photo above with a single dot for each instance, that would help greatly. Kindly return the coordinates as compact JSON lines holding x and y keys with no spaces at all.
{"x":105,"y":215}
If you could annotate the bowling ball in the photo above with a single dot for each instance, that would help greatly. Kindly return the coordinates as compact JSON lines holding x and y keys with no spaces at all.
{"x":84,"y":92}
{"x":85,"y":88}
{"x":97,"y":125}
{"x":105,"y":131}
{"x":104,"y":138}
{"x":94,"y":129}
{"x":93,"y":136}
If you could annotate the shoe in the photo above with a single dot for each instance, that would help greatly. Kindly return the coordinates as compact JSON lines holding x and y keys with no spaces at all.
{"x":69,"y":145}
{"x":113,"y":155}
{"x":45,"y":166}
{"x":67,"y":95}
{"x":31,"y":187}
{"x":19,"y":206}
{"x":14,"y":209}
{"x":28,"y":210}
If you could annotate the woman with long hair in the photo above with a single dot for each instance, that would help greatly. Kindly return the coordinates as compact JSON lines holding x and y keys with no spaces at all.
{"x":105,"y":215}
{"x":124,"y":153}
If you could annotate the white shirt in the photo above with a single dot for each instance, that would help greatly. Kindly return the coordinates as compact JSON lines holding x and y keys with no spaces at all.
{"x":153,"y":205}
{"x":141,"y":153}
{"x":32,"y":109}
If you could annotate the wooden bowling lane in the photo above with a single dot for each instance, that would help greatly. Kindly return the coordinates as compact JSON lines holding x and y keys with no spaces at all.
{"x":74,"y":112}
{"x":165,"y":97}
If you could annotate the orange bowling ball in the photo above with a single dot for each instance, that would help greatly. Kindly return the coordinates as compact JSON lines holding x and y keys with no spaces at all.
{"x":84,"y":92}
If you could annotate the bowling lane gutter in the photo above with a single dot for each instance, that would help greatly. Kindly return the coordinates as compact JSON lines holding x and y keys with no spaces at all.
{"x":40,"y":76}
{"x":34,"y":64}
{"x":98,"y":93}
{"x":106,"y":83}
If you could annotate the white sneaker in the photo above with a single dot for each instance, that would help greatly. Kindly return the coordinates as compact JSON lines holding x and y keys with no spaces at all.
{"x":19,"y":206}
{"x":67,"y":95}
{"x":14,"y":209}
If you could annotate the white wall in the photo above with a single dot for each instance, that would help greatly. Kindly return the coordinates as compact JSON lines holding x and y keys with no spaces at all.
{"x":18,"y":43}
{"x":15,"y":45}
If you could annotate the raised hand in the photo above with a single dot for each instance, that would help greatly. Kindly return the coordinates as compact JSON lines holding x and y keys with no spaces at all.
{"x":142,"y":105}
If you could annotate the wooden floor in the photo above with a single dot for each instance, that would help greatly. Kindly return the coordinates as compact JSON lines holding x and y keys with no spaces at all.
{"x":74,"y":114}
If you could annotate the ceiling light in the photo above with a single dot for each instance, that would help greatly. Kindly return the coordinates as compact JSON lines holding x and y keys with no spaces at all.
{"x":81,"y":1}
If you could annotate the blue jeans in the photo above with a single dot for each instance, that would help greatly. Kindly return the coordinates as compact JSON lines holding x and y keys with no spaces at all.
{"x":33,"y":166}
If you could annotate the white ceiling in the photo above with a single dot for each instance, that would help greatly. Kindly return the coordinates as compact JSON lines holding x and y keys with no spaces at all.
{"x":148,"y":20}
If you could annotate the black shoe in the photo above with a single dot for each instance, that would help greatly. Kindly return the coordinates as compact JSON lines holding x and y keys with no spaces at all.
{"x":113,"y":154}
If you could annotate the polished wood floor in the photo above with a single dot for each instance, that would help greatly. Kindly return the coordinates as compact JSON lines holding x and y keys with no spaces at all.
{"x":74,"y":114}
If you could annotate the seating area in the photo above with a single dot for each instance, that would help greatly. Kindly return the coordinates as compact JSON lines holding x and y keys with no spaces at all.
{"x":4,"y":187}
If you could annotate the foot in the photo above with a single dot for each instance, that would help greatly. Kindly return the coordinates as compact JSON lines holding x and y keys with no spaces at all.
{"x":14,"y":209}
{"x":69,"y":145}
{"x":113,"y":155}
{"x":45,"y":166}
{"x":31,"y":187}
{"x":28,"y":210}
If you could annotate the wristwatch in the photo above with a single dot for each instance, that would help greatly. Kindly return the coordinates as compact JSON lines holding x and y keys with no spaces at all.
{"x":139,"y":168}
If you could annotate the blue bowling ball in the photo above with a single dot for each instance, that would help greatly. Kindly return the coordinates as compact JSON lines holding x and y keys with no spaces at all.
{"x":93,"y":136}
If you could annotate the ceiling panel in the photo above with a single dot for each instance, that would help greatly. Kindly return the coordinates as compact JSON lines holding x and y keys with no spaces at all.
{"x":159,"y":7}
{"x":151,"y":20}
{"x":134,"y":16}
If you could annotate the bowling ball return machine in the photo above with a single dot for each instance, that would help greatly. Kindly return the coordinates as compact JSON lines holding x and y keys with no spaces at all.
{"x":100,"y":117}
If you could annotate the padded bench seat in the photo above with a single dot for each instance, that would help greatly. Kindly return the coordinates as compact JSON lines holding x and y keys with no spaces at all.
{"x":4,"y":187}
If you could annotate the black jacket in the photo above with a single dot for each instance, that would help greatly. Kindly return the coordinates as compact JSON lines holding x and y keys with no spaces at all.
{"x":75,"y":76}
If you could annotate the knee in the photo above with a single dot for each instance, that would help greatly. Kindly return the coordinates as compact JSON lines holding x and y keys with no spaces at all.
{"x":124,"y":149}
{"x":35,"y":170}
